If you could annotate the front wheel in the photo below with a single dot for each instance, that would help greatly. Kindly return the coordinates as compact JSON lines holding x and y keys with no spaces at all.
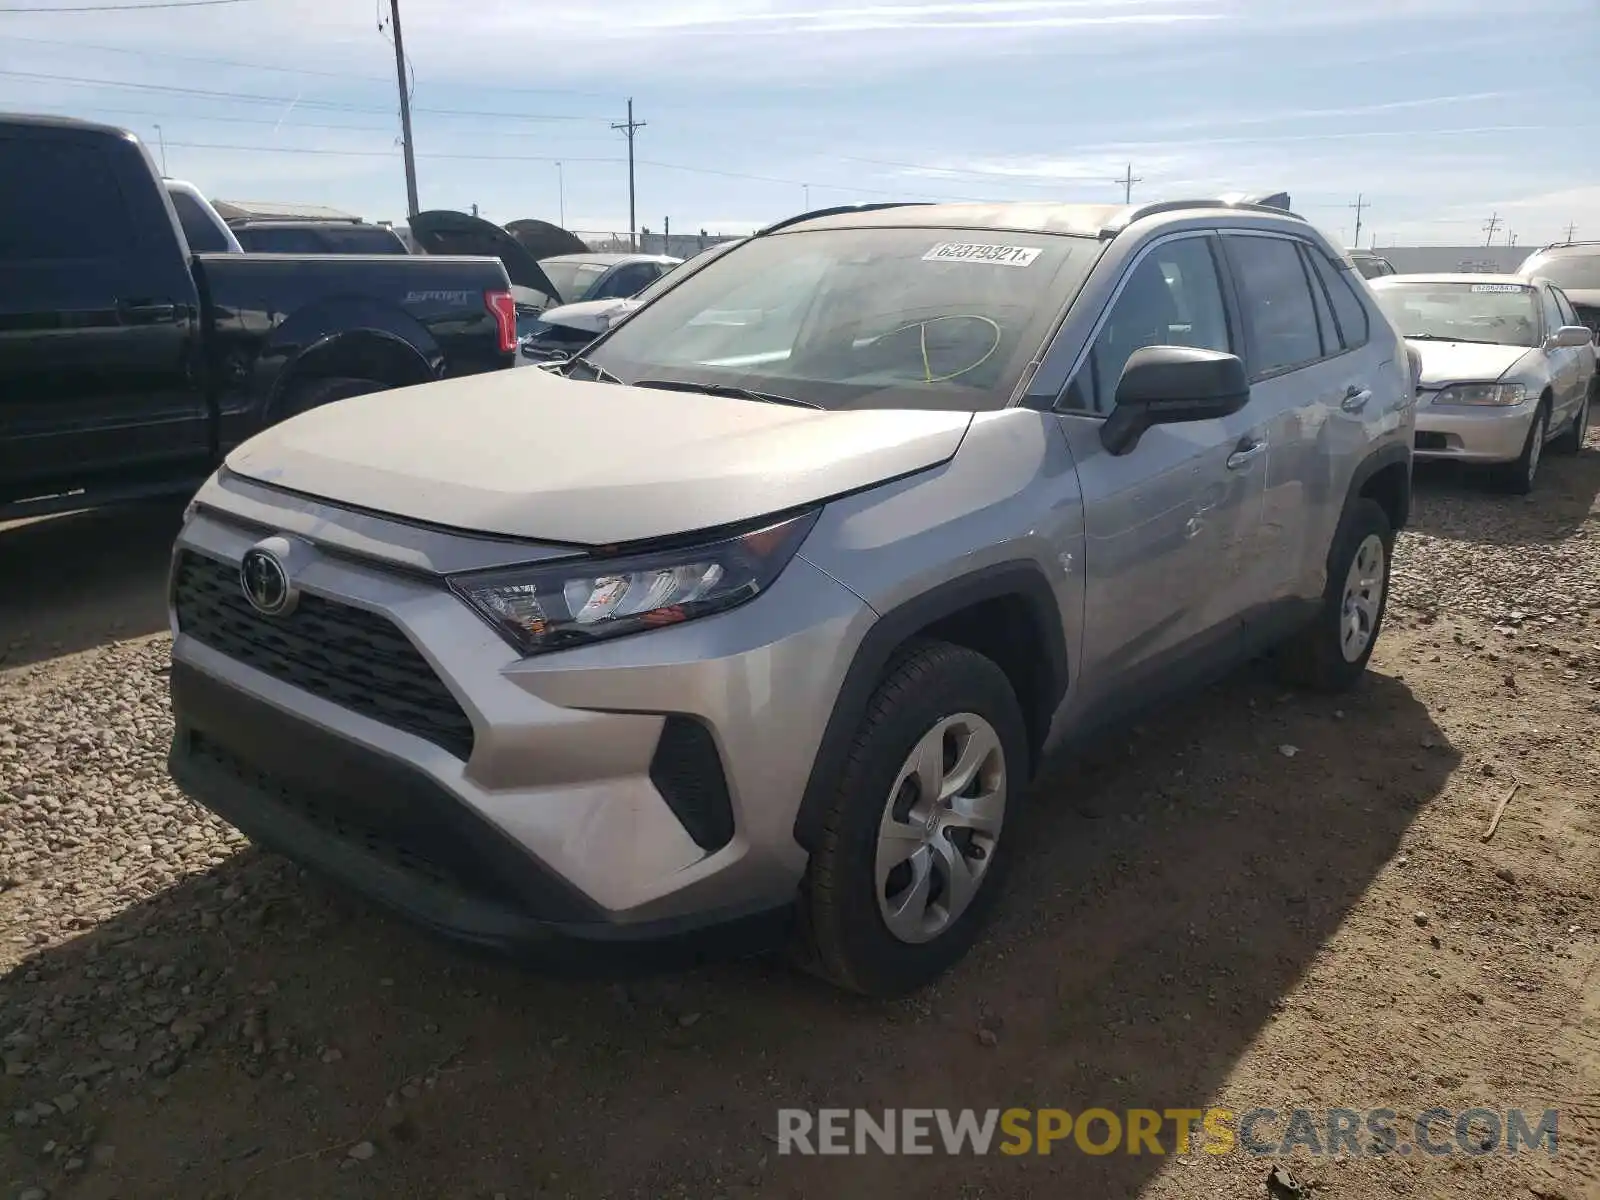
{"x":1331,"y":653}
{"x":1518,"y":477}
{"x":912,"y":849}
{"x":1572,"y":438}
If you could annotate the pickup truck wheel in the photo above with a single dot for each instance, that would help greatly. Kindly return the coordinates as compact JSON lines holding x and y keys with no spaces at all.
{"x":1331,"y":653}
{"x":1571,"y":440}
{"x":314,"y":393}
{"x":912,"y":849}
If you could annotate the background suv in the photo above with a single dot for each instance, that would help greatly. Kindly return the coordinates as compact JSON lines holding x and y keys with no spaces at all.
{"x":761,"y":614}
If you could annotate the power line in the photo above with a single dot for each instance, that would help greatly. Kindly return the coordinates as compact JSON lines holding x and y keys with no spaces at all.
{"x":614,"y":160}
{"x":113,"y":8}
{"x":285,"y":122}
{"x":254,"y":98}
{"x":141,"y":52}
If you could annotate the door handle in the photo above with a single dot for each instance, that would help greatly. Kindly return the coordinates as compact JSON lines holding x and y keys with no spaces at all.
{"x":147,"y":310}
{"x":1246,"y":454}
{"x":1355,"y":399}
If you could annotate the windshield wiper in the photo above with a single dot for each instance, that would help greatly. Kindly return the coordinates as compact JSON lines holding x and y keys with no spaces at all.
{"x":724,"y":389}
{"x":1439,"y":337}
{"x":577,"y":360}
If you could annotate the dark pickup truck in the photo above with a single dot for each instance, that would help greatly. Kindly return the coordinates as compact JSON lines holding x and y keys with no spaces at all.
{"x":129,"y":366}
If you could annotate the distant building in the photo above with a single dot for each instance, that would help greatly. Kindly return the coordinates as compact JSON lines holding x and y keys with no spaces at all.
{"x":1419,"y":260}
{"x":272,"y":210}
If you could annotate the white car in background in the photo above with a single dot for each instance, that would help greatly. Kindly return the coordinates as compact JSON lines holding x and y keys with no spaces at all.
{"x":1506,"y":369}
{"x":203,"y":227}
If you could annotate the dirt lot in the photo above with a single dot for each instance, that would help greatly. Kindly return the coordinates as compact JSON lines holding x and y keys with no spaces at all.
{"x":1254,"y":899}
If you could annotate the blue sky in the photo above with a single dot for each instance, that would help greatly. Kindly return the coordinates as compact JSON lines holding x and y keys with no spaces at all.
{"x":1438,"y":112}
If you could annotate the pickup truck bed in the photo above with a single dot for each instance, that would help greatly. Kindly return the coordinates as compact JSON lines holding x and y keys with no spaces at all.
{"x":129,"y":366}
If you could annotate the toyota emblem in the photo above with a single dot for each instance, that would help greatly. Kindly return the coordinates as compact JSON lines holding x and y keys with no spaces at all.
{"x":265,"y":583}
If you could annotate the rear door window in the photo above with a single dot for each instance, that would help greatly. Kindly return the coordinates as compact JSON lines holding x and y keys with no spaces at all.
{"x":59,"y":200}
{"x":1354,"y":325}
{"x":1278,"y":308}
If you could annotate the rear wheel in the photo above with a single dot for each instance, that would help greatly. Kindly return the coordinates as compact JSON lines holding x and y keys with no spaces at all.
{"x":1571,"y":441}
{"x":1331,"y":653}
{"x":314,"y":393}
{"x":911,"y":858}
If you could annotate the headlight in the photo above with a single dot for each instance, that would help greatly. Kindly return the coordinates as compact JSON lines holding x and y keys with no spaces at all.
{"x":1483,"y":393}
{"x":574,"y":603}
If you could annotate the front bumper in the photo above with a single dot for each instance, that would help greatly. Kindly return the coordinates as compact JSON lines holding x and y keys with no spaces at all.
{"x":385,"y":736}
{"x":1473,"y":434}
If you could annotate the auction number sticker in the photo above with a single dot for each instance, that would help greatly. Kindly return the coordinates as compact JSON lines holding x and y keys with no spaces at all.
{"x":1483,"y":289}
{"x":1000,"y":256}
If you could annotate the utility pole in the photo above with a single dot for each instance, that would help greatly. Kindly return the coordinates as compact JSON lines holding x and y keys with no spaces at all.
{"x":630,"y":127}
{"x":1571,"y":229}
{"x":405,"y":110}
{"x":1359,"y":205}
{"x":1489,"y":227}
{"x":666,"y":235}
{"x":561,"y":194}
{"x":1127,"y":181}
{"x":162,"y":138}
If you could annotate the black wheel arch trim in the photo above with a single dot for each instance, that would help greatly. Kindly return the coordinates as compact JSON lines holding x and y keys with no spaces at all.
{"x":1394,"y":454}
{"x":1024,"y":580}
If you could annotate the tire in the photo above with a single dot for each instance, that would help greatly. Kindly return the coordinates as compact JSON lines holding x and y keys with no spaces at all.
{"x":948,"y":699}
{"x":1571,"y":441}
{"x":1319,"y":657}
{"x":314,"y":393}
{"x":1519,"y":476}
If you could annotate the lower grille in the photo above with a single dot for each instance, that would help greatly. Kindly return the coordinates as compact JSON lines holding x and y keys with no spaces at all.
{"x":1431,"y":441}
{"x":334,"y":816}
{"x":346,"y":655}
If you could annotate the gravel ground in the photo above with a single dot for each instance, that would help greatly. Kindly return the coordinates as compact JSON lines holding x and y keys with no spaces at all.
{"x":1254,"y":899}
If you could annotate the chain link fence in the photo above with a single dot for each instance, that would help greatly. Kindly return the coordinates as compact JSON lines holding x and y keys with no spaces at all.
{"x":679,"y":245}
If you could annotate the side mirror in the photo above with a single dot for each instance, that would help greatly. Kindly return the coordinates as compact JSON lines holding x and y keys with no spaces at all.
{"x":1568,"y":337}
{"x":1162,"y":385}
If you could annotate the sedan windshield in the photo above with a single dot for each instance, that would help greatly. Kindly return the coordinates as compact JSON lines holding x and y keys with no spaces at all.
{"x":859,"y":318}
{"x":1579,"y":272}
{"x":1501,"y":313}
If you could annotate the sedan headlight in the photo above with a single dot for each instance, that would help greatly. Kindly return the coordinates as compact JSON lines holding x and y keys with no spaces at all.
{"x":1483,"y":393}
{"x":573,"y":603}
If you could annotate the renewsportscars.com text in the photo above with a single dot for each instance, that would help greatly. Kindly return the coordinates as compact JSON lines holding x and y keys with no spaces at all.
{"x":1096,"y":1131}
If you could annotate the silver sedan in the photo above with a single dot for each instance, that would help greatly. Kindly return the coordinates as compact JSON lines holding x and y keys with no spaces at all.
{"x":1506,"y":368}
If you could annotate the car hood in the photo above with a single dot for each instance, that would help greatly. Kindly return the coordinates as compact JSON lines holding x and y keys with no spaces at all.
{"x":1465,"y":362}
{"x":444,"y":231}
{"x":591,"y":316}
{"x":529,"y":454}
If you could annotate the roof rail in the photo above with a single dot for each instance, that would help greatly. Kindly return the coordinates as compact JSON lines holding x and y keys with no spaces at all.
{"x":835,"y":211}
{"x":1562,"y":245}
{"x":1276,"y":203}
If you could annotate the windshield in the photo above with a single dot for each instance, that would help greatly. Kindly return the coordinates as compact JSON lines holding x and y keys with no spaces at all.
{"x":1502,"y":313}
{"x":860,"y":318}
{"x":572,"y":279}
{"x":1577,"y":271}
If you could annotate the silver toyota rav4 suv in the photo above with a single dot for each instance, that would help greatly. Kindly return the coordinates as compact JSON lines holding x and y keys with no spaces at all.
{"x":759,"y":616}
